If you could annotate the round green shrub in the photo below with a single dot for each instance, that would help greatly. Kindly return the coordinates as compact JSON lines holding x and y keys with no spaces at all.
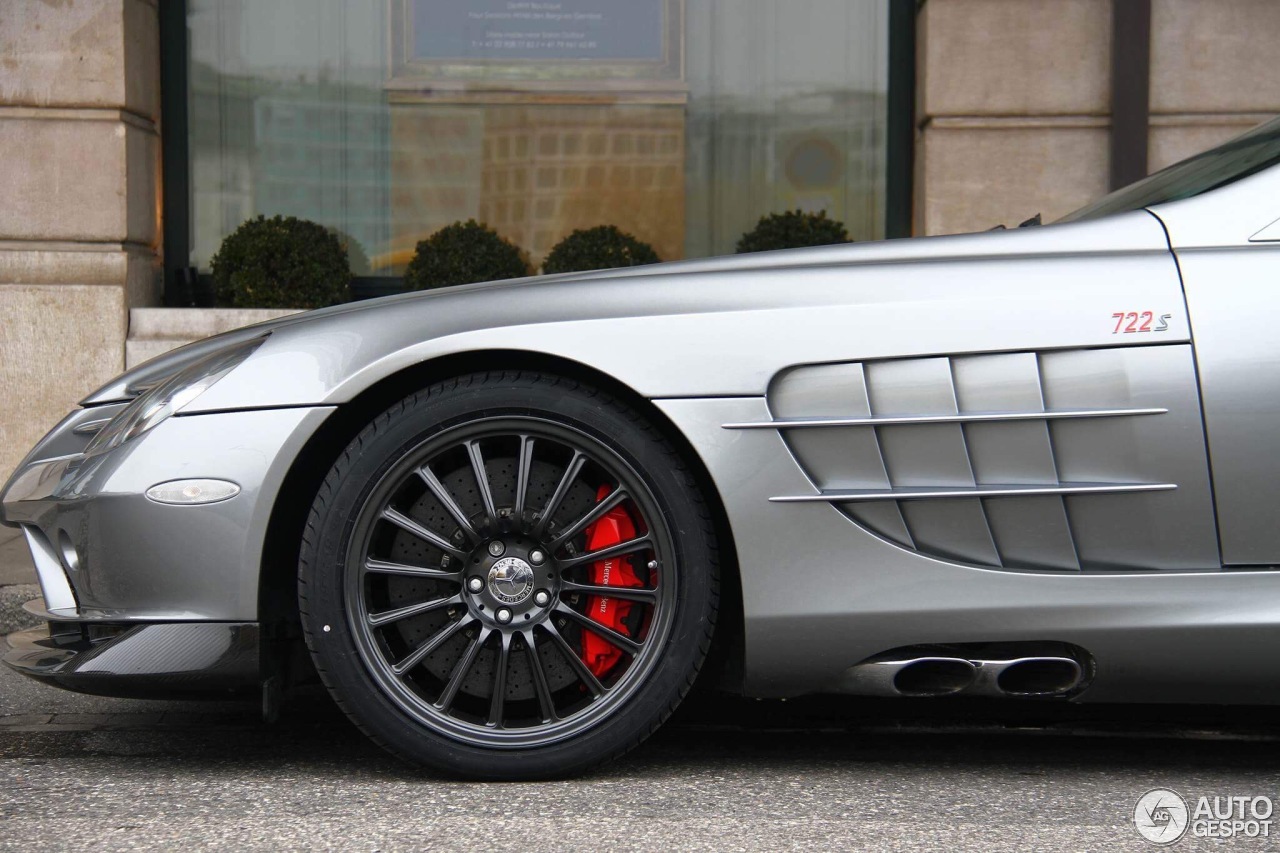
{"x":462,"y":253}
{"x":281,"y":262}
{"x":793,"y":229}
{"x":601,"y":248}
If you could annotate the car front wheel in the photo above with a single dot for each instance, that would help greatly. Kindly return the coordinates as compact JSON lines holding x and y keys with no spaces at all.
{"x":509,"y":576}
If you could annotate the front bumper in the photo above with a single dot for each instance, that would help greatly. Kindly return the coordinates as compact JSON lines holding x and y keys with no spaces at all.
{"x":142,"y":661}
{"x":105,"y":552}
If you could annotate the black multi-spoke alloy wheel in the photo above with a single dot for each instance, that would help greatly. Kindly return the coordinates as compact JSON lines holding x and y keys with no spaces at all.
{"x":509,"y":576}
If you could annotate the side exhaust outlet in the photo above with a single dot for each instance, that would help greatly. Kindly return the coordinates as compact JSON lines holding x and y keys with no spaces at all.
{"x":934,"y":677}
{"x":1038,"y":676}
{"x":914,"y":676}
{"x":924,"y":675}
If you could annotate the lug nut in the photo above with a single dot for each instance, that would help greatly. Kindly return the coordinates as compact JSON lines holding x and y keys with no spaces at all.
{"x":475,"y":584}
{"x":503,"y":615}
{"x":536,"y":557}
{"x":541,"y":597}
{"x":496,"y":548}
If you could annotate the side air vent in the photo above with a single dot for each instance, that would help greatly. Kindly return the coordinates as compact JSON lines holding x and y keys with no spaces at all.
{"x":1066,"y":460}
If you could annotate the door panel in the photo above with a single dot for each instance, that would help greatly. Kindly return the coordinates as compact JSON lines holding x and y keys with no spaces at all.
{"x":1233,"y":296}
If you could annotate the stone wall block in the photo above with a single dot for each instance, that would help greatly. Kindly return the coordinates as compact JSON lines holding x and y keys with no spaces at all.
{"x":80,"y":53}
{"x":73,"y":178}
{"x":1014,"y":57}
{"x":1214,"y":57}
{"x":974,"y":177}
{"x":60,"y":342}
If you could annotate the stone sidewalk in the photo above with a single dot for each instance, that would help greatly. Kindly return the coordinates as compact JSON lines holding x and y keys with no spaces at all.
{"x":17,"y":581}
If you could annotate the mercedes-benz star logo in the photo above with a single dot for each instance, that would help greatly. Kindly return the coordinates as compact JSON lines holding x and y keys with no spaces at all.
{"x":511,"y":580}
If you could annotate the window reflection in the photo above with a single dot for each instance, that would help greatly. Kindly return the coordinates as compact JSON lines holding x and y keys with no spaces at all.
{"x":680,"y":121}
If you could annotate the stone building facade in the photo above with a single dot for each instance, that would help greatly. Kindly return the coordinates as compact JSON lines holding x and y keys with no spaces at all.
{"x":1013,"y":102}
{"x":1014,"y":99}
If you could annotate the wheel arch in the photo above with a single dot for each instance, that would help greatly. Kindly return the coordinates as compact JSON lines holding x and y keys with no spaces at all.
{"x":283,"y":654}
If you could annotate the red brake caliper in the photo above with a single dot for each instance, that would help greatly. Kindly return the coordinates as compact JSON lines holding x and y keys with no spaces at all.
{"x":613,"y":527}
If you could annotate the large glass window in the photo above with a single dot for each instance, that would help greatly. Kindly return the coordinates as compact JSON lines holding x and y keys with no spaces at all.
{"x":680,"y":121}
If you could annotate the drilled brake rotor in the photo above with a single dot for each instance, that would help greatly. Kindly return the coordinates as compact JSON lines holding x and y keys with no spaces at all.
{"x":408,"y":548}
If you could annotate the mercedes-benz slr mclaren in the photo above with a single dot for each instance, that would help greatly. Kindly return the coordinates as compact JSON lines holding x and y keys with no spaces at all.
{"x":508,"y":524}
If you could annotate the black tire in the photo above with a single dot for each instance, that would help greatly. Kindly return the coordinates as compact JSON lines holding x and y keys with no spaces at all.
{"x":554,"y":714}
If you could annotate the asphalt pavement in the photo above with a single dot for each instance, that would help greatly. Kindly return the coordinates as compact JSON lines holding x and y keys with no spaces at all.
{"x":17,"y":582}
{"x":80,"y":772}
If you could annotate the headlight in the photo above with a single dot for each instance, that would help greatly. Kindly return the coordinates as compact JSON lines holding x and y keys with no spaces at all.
{"x":169,"y":396}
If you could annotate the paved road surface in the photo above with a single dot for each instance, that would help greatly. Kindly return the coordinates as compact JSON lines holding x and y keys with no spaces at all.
{"x":82,"y":772}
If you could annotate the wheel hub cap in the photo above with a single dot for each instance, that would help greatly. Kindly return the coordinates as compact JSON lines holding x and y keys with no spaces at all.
{"x":511,"y":580}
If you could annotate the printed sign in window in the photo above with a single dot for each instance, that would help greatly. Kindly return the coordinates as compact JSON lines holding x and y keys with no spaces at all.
{"x":630,"y":30}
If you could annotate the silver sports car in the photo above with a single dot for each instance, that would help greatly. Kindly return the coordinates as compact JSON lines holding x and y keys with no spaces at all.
{"x":510,"y":522}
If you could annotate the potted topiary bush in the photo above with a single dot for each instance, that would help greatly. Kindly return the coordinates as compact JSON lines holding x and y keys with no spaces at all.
{"x":281,"y":262}
{"x":601,"y":248}
{"x":792,"y":230}
{"x":463,"y":253}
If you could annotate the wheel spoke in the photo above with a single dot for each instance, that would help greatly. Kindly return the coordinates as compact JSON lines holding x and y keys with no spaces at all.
{"x":482,"y":482}
{"x":547,"y":704}
{"x":628,"y":593}
{"x":622,"y":641}
{"x":584,"y":673}
{"x":438,"y":639}
{"x":525,"y":466}
{"x":629,"y":547}
{"x":459,"y":674}
{"x":430,"y":656}
{"x":384,"y":567}
{"x":571,"y":472}
{"x":377,"y":620}
{"x":610,"y":501}
{"x":442,"y":494}
{"x":498,"y":704}
{"x":406,"y":523}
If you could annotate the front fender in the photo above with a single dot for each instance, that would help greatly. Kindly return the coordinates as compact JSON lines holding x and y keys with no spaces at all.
{"x":708,"y":329}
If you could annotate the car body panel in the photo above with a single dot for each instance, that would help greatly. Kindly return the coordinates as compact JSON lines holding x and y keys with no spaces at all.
{"x":142,"y":561}
{"x":1233,"y":295}
{"x":1232,"y":284}
{"x":820,"y":595}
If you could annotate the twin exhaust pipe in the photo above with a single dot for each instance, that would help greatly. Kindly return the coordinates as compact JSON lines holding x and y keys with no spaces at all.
{"x":948,"y":676}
